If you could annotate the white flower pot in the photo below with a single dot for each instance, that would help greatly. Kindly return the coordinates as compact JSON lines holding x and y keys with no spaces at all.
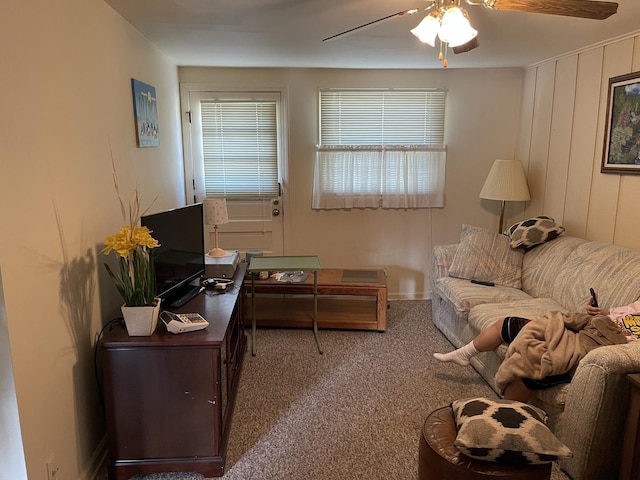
{"x":141,"y":321}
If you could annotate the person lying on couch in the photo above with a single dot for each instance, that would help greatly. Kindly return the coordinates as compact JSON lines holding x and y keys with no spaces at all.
{"x":546,"y":352}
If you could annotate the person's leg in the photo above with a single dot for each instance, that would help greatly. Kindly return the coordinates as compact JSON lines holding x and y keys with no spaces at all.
{"x":517,"y":390}
{"x":489,"y":339}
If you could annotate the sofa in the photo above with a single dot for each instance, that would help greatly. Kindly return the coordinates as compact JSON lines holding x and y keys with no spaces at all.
{"x":535,"y":272}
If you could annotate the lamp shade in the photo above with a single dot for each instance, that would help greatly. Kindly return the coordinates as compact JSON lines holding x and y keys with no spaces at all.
{"x":215,"y":211}
{"x":456,"y":29}
{"x":427,"y":30}
{"x":506,"y":181}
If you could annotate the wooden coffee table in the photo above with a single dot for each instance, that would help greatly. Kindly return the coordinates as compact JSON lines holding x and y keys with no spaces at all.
{"x":347,"y":299}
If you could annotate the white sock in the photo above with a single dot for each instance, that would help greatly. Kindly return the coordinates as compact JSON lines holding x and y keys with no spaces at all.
{"x":460,"y":356}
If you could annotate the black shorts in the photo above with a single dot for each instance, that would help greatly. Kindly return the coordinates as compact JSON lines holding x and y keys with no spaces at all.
{"x":511,"y":326}
{"x":546,"y":382}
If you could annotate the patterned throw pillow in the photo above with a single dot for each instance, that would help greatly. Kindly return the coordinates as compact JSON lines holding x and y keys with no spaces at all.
{"x":505,"y":431}
{"x":486,"y":256}
{"x":533,"y":231}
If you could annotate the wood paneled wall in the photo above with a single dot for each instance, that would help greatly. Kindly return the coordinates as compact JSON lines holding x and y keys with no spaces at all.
{"x":560,"y":143}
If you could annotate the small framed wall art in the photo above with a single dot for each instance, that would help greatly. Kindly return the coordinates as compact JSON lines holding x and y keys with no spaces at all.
{"x":145,"y":109}
{"x":621,"y":152}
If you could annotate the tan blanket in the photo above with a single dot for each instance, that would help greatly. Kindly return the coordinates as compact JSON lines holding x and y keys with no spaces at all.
{"x":554,"y":344}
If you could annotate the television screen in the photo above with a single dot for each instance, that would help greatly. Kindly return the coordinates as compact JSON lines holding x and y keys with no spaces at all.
{"x":180,"y":257}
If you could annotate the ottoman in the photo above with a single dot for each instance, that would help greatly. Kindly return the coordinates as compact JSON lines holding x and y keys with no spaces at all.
{"x":439,"y":459}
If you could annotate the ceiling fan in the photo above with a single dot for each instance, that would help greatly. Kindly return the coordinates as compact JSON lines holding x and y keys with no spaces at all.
{"x":450,"y":22}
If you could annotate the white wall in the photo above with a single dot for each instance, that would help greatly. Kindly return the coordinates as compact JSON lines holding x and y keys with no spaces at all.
{"x":66,"y":102}
{"x":483,"y":108}
{"x":561,"y":139}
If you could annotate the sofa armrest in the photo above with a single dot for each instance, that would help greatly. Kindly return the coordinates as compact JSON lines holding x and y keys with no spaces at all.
{"x":441,"y":260}
{"x":595,"y":411}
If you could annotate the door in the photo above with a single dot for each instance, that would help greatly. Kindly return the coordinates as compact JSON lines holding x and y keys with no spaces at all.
{"x":254,"y":196}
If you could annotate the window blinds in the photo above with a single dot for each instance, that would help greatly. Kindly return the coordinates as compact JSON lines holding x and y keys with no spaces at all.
{"x":394,"y":117}
{"x":240,"y":148}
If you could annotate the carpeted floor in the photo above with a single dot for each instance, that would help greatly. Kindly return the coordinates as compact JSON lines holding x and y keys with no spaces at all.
{"x":354,"y":412}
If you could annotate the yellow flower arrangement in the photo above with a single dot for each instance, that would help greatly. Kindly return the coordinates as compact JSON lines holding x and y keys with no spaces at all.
{"x":126,"y":240}
{"x":135,"y":279}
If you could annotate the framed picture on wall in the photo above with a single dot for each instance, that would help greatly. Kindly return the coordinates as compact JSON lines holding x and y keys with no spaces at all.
{"x":145,"y":108}
{"x":622,"y":135}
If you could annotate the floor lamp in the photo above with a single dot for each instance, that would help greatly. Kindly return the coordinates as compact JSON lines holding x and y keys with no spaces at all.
{"x":215,"y":213}
{"x":506,"y":182}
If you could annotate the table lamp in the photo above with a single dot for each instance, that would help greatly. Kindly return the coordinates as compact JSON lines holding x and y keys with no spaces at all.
{"x":215,"y":213}
{"x":506,"y":182}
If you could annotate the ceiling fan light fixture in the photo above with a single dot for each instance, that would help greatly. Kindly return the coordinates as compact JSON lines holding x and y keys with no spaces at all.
{"x":452,"y":25}
{"x":427,"y":29}
{"x":456,"y":29}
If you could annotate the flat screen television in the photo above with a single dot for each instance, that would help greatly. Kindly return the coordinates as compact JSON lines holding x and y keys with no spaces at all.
{"x":180,"y":257}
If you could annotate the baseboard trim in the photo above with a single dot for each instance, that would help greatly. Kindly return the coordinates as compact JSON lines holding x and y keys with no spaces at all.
{"x":95,"y":470}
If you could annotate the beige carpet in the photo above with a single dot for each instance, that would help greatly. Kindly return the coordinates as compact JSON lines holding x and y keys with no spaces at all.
{"x":354,"y":412}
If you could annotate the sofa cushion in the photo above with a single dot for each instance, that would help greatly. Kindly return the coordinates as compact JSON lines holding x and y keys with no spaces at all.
{"x":612,"y":271}
{"x":486,"y":256}
{"x":464,"y":295}
{"x":505,"y":431}
{"x":533,"y":231}
{"x":542,"y":265}
{"x":484,"y":315}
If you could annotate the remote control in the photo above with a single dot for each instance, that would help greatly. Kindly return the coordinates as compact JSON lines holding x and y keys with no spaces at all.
{"x":480,"y":282}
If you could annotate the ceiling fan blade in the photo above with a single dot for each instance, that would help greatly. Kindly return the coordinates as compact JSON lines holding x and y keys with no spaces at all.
{"x":467,"y":47}
{"x":411,"y":11}
{"x":570,"y":8}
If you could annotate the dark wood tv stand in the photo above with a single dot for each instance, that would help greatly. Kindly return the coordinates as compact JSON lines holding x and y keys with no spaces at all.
{"x":169,"y":398}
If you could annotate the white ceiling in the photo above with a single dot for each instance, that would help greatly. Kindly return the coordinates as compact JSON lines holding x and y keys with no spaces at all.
{"x":289,"y":33}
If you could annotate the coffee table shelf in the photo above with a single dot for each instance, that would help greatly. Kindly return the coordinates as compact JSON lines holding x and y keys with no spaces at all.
{"x":347,"y":299}
{"x":333,"y":313}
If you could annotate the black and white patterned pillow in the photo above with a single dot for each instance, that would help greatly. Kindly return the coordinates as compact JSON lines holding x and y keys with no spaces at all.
{"x":533,"y":231}
{"x":505,"y":431}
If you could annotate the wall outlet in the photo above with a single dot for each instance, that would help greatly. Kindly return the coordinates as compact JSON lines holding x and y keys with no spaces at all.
{"x":53,"y":470}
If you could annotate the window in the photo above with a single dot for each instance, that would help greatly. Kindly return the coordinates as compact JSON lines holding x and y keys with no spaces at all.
{"x":240,"y":148}
{"x":380,"y":148}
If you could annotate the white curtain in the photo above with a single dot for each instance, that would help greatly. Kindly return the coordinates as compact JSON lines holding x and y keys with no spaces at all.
{"x":373,"y":176}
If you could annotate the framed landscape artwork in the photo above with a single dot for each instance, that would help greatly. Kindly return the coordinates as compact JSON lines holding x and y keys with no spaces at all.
{"x":622,"y":135}
{"x":145,"y":108}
